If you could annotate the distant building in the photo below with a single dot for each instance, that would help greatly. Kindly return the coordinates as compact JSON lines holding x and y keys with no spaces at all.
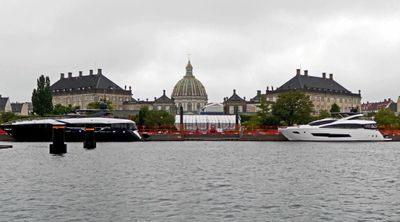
{"x":234,"y":103}
{"x":161,"y":103}
{"x":164,"y":103}
{"x":189,"y":93}
{"x":5,"y":105}
{"x":323,"y":91}
{"x":373,"y":107}
{"x":21,"y":109}
{"x":81,"y":90}
{"x":213,"y":109}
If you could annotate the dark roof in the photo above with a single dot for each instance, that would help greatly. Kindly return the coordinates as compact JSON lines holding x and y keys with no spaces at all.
{"x":16,"y":107}
{"x":3,"y":103}
{"x":393,"y":107}
{"x":313,"y":83}
{"x":256,"y":98}
{"x":163,"y":99}
{"x":94,"y":81}
{"x":235,"y":98}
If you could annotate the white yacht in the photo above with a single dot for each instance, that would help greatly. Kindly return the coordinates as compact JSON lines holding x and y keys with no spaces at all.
{"x":347,"y":128}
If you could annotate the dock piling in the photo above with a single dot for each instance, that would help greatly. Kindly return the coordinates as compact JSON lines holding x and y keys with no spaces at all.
{"x":58,"y":146}
{"x":90,"y":140}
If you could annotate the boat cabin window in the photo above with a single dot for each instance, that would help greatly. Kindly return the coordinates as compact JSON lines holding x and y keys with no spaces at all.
{"x":370,"y":126}
{"x":321,"y":122}
{"x":355,"y":118}
{"x":126,"y":126}
{"x":344,"y":126}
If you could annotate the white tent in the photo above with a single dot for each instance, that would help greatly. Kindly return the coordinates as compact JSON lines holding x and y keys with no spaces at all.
{"x":206,"y":122}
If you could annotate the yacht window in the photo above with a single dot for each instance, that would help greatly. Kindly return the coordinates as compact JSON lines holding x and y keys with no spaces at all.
{"x":321,"y":122}
{"x":344,"y":126}
{"x":370,"y":126}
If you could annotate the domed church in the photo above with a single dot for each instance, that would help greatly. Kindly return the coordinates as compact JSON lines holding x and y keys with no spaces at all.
{"x":189,"y":92}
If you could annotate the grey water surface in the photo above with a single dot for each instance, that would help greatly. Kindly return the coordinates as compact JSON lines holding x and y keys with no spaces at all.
{"x":202,"y":181}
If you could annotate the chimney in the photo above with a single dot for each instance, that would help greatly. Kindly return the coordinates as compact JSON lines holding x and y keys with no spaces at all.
{"x":91,"y":72}
{"x":272,"y":88}
{"x":99,"y":72}
{"x":234,"y":91}
{"x":69,"y":75}
{"x":297,"y":72}
{"x":155,"y":98}
{"x":147,"y":99}
{"x":164,"y":92}
{"x":258,"y":92}
{"x":305,"y":72}
{"x":267,"y":88}
{"x":125,"y":87}
{"x":324,"y":75}
{"x":80,"y":73}
{"x":331,"y":76}
{"x":62,"y":75}
{"x":244,"y":98}
{"x":359,"y":92}
{"x":130,"y":87}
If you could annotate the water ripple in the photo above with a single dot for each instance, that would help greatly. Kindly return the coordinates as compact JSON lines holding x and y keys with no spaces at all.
{"x":201,"y":181}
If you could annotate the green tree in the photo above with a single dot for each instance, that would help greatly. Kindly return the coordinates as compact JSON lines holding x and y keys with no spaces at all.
{"x":324,"y":114}
{"x":142,"y":116}
{"x":42,"y":99}
{"x":386,"y":118}
{"x":293,"y":107}
{"x":99,"y":105}
{"x":335,"y":108}
{"x":7,"y":117}
{"x":61,"y":110}
{"x":154,"y":118}
{"x":264,"y":115}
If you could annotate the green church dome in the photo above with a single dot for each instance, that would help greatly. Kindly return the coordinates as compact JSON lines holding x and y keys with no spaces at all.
{"x":189,"y":86}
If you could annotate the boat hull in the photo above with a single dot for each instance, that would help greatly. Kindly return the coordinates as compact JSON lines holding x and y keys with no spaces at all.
{"x":326,"y":134}
{"x":43,"y":133}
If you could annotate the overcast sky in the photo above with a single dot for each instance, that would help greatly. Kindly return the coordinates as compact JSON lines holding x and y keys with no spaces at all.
{"x":243,"y":44}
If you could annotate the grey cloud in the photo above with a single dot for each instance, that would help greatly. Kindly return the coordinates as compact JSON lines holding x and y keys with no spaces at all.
{"x":247,"y":45}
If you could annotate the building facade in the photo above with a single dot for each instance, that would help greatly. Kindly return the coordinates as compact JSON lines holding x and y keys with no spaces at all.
{"x":189,"y":93}
{"x":5,"y":105}
{"x":84,"y":89}
{"x":323,"y":91}
{"x":161,"y":103}
{"x":21,"y":109}
{"x":373,"y":107}
{"x":234,"y":103}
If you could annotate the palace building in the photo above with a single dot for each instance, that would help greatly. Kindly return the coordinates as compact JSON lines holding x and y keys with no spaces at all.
{"x":83,"y":89}
{"x":323,"y":91}
{"x":189,"y":93}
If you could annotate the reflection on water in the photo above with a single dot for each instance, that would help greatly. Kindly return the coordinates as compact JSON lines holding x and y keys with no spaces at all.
{"x":202,"y":181}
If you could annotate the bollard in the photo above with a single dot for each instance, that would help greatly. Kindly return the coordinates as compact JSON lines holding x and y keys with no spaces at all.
{"x":58,"y":146}
{"x":90,"y":141}
{"x":181,"y":119}
{"x":236,"y":118}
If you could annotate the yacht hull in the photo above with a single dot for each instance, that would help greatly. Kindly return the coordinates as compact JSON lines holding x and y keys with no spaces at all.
{"x":43,"y":133}
{"x":327,"y":134}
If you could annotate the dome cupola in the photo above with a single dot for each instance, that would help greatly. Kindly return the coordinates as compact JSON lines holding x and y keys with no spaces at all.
{"x":189,"y":92}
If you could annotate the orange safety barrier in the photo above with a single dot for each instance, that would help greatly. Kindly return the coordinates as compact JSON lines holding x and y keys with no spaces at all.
{"x":58,"y":127}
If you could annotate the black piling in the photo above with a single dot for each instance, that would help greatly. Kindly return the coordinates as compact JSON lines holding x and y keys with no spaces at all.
{"x":181,"y":119}
{"x":58,"y":146}
{"x":90,"y":140}
{"x":237,"y":118}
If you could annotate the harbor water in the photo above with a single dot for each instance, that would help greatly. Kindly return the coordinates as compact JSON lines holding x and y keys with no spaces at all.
{"x":202,"y":181}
